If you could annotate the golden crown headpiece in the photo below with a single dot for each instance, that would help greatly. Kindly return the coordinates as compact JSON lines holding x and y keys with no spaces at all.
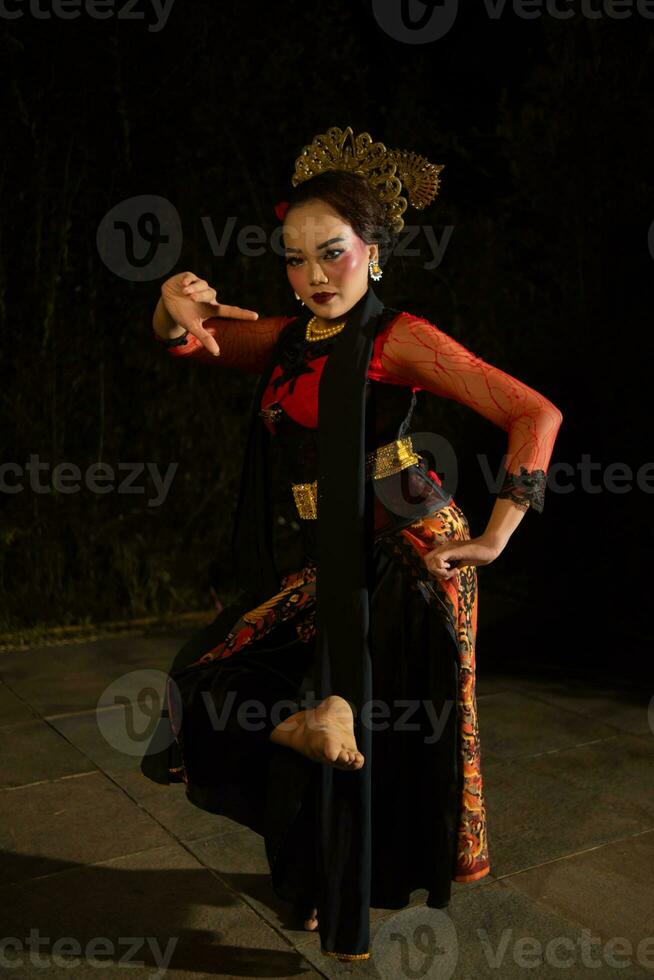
{"x":388,"y":172}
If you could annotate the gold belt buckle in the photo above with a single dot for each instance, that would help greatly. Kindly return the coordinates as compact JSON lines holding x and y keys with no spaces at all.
{"x":391,"y":458}
{"x":381,"y":462}
{"x":306,"y":499}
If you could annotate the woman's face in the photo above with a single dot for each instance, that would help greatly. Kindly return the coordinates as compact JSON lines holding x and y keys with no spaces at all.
{"x":325,"y":256}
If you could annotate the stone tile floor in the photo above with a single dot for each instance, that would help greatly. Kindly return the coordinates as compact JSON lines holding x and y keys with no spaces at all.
{"x":93,"y":853}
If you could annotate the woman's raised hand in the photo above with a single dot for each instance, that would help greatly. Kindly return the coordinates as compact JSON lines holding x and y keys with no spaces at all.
{"x":190,"y":300}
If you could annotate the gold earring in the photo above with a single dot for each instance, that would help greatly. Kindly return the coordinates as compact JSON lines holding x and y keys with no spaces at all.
{"x":375,"y":270}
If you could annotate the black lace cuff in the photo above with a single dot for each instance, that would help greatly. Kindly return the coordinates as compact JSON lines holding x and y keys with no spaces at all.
{"x":526,"y":488}
{"x":175,"y":342}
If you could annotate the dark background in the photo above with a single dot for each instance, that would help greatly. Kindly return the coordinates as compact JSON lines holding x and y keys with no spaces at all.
{"x":545,"y":129}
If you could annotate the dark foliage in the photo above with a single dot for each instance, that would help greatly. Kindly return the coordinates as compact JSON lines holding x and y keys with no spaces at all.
{"x":545,"y":129}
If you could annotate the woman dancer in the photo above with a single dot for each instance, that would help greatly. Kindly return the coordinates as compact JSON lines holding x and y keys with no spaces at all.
{"x":362,"y":768}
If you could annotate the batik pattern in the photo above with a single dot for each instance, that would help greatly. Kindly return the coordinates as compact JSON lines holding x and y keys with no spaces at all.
{"x":456,"y":599}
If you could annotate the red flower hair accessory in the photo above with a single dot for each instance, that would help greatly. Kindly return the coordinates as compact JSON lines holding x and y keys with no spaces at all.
{"x":280,"y":209}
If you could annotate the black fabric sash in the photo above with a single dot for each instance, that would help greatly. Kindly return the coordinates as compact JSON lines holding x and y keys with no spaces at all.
{"x":344,"y":544}
{"x":342,"y":665}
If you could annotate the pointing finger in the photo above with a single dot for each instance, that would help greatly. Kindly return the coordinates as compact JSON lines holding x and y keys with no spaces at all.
{"x":236,"y":313}
{"x":205,"y":337}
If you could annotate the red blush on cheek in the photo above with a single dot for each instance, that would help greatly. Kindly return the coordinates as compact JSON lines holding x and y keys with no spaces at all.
{"x":348,"y":264}
{"x":294,"y":276}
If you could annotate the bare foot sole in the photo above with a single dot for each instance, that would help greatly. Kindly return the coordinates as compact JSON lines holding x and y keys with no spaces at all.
{"x":324,"y":734}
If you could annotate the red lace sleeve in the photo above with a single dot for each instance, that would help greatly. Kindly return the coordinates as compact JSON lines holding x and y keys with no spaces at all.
{"x":244,"y":344}
{"x":418,"y":353}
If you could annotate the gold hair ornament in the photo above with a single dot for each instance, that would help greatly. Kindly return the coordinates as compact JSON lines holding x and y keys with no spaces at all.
{"x":388,"y":172}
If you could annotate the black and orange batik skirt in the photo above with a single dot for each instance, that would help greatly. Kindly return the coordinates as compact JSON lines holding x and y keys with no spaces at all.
{"x":238,"y":677}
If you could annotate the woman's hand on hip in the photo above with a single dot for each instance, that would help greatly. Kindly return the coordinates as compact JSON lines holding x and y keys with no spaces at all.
{"x":445,"y":559}
{"x":190,"y":300}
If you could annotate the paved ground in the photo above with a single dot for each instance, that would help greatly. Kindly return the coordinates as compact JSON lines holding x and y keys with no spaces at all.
{"x":93,"y":851}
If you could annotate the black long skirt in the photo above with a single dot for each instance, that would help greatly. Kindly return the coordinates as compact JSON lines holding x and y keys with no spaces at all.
{"x":238,"y":677}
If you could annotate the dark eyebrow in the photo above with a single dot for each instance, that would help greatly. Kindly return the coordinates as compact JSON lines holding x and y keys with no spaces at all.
{"x":322,"y":245}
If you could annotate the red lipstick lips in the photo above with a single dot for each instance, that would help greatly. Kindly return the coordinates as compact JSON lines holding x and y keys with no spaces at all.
{"x":322,"y":297}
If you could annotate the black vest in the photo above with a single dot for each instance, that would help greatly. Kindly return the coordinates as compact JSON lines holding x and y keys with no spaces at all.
{"x":388,"y":413}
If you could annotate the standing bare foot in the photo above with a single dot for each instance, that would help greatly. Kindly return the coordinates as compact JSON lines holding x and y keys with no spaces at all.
{"x":324,"y":734}
{"x":311,"y":921}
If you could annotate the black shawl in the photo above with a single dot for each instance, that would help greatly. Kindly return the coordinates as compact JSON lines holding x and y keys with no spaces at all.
{"x":344,"y":546}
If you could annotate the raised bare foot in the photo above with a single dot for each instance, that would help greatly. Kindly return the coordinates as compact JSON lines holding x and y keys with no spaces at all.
{"x":324,"y":734}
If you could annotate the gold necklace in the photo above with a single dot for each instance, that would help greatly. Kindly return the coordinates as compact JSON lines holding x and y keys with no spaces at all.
{"x":314,"y":332}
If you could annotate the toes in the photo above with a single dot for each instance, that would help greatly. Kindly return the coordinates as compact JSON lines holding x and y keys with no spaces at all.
{"x":349,"y":759}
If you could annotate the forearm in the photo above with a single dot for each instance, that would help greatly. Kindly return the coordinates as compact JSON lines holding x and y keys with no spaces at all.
{"x":245,"y":345}
{"x":164,"y":325}
{"x":504,"y":519}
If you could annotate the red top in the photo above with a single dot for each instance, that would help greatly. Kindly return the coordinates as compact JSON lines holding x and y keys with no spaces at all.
{"x":302,"y":404}
{"x":409,"y":351}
